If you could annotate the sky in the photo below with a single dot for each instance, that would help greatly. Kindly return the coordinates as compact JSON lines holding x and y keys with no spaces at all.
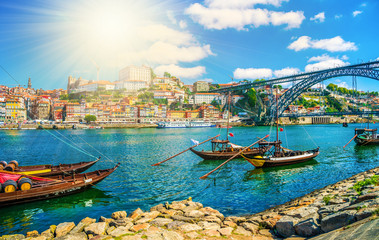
{"x":213,"y":40}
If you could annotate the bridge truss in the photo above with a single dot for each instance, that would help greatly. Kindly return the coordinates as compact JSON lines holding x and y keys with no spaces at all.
{"x":306,"y":80}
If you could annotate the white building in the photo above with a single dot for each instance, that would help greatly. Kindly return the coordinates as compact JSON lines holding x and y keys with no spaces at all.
{"x":135,"y":73}
{"x":199,"y":98}
{"x":131,"y":85}
{"x":94,"y":86}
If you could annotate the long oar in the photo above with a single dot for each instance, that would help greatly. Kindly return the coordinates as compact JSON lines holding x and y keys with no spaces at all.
{"x":156,"y":164}
{"x":350,"y":140}
{"x":235,"y":155}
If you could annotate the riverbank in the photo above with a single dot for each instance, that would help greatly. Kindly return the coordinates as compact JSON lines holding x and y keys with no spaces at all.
{"x":333,"y":210}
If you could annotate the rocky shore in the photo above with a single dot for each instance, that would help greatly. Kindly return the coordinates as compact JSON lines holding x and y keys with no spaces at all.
{"x":342,"y":209}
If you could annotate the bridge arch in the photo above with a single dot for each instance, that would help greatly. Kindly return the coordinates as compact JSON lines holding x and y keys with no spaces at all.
{"x":291,"y":94}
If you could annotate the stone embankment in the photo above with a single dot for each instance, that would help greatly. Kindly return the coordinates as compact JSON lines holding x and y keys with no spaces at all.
{"x":344,"y":206}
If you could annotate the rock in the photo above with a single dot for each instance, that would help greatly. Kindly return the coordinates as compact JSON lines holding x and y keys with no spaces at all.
{"x":184,"y":219}
{"x":134,"y":237}
{"x":236,"y":219}
{"x":325,"y":211}
{"x":229,"y":224}
{"x":250,"y":227}
{"x":64,"y":228}
{"x":96,"y":228}
{"x":212,"y":212}
{"x":100,"y":237}
{"x":267,"y":233}
{"x":118,"y":215}
{"x":140,"y":227}
{"x":48,"y":234}
{"x":175,"y":225}
{"x":226,"y":231}
{"x":160,"y":222}
{"x":159,"y":208}
{"x":121,"y":222}
{"x":255,"y":219}
{"x":78,"y":228}
{"x":208,"y":226}
{"x":188,"y":227}
{"x":241,"y":231}
{"x":195,"y":205}
{"x":307,"y":228}
{"x":32,"y":234}
{"x":147,"y":217}
{"x":170,"y":235}
{"x":87,"y":221}
{"x":177,"y":206}
{"x":213,"y":219}
{"x":285,"y":226}
{"x":116,"y":232}
{"x":192,"y":235}
{"x":12,"y":237}
{"x":364,"y":213}
{"x":211,"y":233}
{"x":73,"y":236}
{"x":136,"y":214}
{"x":302,"y":212}
{"x":337,"y":220}
{"x":194,"y":214}
{"x":38,"y":238}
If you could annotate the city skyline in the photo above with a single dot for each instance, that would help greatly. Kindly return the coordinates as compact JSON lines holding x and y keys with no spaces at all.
{"x":212,"y":40}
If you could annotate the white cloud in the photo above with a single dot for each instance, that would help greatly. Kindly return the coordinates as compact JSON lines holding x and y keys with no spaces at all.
{"x":319,"y":17}
{"x":171,"y":17}
{"x":252,"y":73}
{"x":336,"y":44}
{"x":223,"y":14}
{"x":363,"y":4}
{"x":324,"y":62}
{"x":286,"y":72}
{"x":338,"y":16}
{"x":356,"y":13}
{"x":160,"y":32}
{"x":182,"y":24}
{"x":167,"y":53}
{"x":181,"y":72}
{"x":343,"y":85}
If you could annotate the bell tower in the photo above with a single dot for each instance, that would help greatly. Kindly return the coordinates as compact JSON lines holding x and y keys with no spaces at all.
{"x":29,"y":84}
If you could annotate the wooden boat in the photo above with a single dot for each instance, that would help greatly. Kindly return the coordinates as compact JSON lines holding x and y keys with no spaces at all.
{"x":48,"y":169}
{"x":366,"y":136}
{"x":223,"y":149}
{"x":56,"y":186}
{"x":278,"y":155}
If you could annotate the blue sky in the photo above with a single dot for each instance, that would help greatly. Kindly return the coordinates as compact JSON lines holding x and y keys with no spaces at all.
{"x":212,"y":40}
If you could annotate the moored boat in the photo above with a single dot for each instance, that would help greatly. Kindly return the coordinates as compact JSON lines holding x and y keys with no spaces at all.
{"x":366,"y":136}
{"x":177,"y":124}
{"x":46,"y":170}
{"x":46,"y":188}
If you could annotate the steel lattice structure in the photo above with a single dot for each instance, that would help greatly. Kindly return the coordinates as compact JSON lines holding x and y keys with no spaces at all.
{"x":307,"y":80}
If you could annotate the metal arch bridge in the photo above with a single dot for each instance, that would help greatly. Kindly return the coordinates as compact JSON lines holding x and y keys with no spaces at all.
{"x":320,"y":114}
{"x":306,"y":80}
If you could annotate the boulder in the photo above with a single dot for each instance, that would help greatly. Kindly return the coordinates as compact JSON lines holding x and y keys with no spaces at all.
{"x":229,"y":224}
{"x":192,"y":235}
{"x":285,"y":226}
{"x":87,"y":221}
{"x":188,"y":227}
{"x":302,"y":212}
{"x":136,"y":214}
{"x":226,"y":231}
{"x":119,"y":231}
{"x":159,"y":208}
{"x":73,"y":236}
{"x":194,"y":214}
{"x":175,"y":225}
{"x":48,"y":234}
{"x":64,"y":228}
{"x":337,"y":220}
{"x":211,"y":233}
{"x":250,"y":227}
{"x":235,"y":219}
{"x":307,"y":228}
{"x":212,"y":212}
{"x":96,"y":228}
{"x":241,"y":231}
{"x":330,"y":209}
{"x":140,"y":227}
{"x":121,"y":222}
{"x":118,"y":215}
{"x":160,"y":222}
{"x":184,"y":219}
{"x":32,"y":234}
{"x":170,"y":235}
{"x":208,"y":226}
{"x":176,"y":206}
{"x":213,"y":219}
{"x":12,"y":237}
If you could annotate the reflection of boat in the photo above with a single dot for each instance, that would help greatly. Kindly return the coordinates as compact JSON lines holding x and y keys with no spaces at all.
{"x":278,"y":155}
{"x":48,"y":169}
{"x":46,"y":188}
{"x":366,"y":136}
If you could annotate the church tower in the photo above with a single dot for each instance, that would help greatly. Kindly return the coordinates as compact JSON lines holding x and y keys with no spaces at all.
{"x":29,"y":84}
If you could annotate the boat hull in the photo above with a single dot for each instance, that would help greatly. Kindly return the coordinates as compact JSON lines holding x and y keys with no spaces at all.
{"x":360,"y":141}
{"x":57,"y":186}
{"x":53,"y":170}
{"x":281,"y":161}
{"x":218,"y":155}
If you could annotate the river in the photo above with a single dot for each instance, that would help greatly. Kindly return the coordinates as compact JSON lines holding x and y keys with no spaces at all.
{"x":237,"y":189}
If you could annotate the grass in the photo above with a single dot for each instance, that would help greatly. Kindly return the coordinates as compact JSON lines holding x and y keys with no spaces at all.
{"x":358,"y":186}
{"x":327,"y":199}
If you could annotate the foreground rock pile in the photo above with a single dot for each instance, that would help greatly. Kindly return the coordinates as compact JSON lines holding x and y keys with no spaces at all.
{"x":324,"y":210}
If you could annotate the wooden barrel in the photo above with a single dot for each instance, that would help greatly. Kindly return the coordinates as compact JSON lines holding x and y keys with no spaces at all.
{"x":3,"y":164}
{"x":10,"y":167}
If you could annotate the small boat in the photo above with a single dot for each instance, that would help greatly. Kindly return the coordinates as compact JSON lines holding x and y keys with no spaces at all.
{"x":47,"y":169}
{"x":20,"y":188}
{"x":200,"y":124}
{"x":366,"y":136}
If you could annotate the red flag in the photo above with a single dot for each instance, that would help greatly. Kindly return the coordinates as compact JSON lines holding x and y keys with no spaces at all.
{"x":231,"y":134}
{"x":281,"y":129}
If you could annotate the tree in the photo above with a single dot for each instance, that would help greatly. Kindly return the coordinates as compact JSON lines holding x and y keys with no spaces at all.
{"x":90,"y":118}
{"x":166,"y":74}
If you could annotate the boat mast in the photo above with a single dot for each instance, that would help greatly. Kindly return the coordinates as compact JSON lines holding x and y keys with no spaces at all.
{"x":227,"y":127}
{"x":277,"y":147}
